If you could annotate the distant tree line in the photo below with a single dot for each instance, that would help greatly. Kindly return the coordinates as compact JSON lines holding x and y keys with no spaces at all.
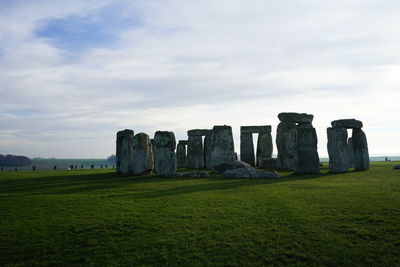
{"x":14,"y":161}
{"x":111,"y":159}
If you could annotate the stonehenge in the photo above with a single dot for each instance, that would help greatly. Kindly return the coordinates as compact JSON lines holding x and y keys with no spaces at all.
{"x":213,"y":149}
{"x":345,"y":153}
{"x":264,"y":144}
{"x":296,"y":141}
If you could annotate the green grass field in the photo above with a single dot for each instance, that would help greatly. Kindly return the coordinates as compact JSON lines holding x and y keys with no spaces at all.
{"x":96,"y":217}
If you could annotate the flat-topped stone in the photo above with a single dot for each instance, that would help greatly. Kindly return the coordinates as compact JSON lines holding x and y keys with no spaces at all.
{"x":295,"y":117}
{"x":347,"y":123}
{"x":198,"y":132}
{"x":255,"y":129}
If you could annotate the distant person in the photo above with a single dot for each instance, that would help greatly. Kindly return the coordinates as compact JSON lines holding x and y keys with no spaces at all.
{"x":101,"y":166}
{"x":92,"y":166}
{"x":33,"y":168}
{"x":113,"y":167}
{"x":2,"y":168}
{"x":16,"y":169}
{"x":82,"y":166}
{"x":106,"y":166}
{"x":55,"y":167}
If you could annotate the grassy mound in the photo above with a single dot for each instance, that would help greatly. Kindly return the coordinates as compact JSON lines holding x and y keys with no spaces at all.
{"x":96,"y":217}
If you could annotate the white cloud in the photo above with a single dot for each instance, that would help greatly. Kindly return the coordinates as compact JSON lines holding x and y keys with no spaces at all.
{"x":193,"y":64}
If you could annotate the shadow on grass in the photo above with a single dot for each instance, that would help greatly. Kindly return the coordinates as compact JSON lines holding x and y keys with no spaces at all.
{"x":70,"y":184}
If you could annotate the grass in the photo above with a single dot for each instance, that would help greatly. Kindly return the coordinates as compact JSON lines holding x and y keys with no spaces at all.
{"x":96,"y":217}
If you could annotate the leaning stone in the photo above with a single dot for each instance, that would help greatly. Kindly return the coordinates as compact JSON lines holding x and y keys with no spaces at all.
{"x":165,"y":157}
{"x":247,"y":148}
{"x":350,"y":149}
{"x":361,"y":155}
{"x":307,"y":159}
{"x":286,"y":144}
{"x":237,"y":164}
{"x":255,"y":129}
{"x":142,"y":154}
{"x":195,"y":152}
{"x":124,"y":160}
{"x":181,"y":154}
{"x":338,"y":149}
{"x":264,"y":147}
{"x":396,"y":167}
{"x":347,"y":123}
{"x":222,"y":147}
{"x":197,"y":174}
{"x":246,"y":173}
{"x":295,"y":117}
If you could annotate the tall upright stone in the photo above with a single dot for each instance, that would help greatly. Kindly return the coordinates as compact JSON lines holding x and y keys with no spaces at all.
{"x":181,"y":154}
{"x":361,"y":155}
{"x":142,"y":154}
{"x":264,"y":147}
{"x":350,"y":149}
{"x":247,"y":148}
{"x":338,"y":149}
{"x":307,"y":159}
{"x":222,"y":146}
{"x":195,"y":152}
{"x":286,"y":144}
{"x":124,"y":151}
{"x":207,"y":150}
{"x":165,"y":157}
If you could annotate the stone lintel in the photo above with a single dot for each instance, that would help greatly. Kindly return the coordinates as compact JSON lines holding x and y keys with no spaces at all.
{"x":199,"y":132}
{"x":347,"y":123}
{"x":255,"y":129}
{"x":295,"y":117}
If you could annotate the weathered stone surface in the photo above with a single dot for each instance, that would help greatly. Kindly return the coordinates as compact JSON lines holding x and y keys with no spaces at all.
{"x":124,"y":160}
{"x":198,"y":132}
{"x":197,"y":174}
{"x":361,"y":155}
{"x":181,"y":154}
{"x":264,"y":147}
{"x":195,"y":152}
{"x":222,"y":147}
{"x":350,"y":149}
{"x":338,"y":149}
{"x":237,"y":164}
{"x":255,"y":129}
{"x":249,"y":173}
{"x":271,"y":164}
{"x":307,"y":159}
{"x":165,"y":157}
{"x":396,"y":167}
{"x":142,"y":154}
{"x":247,"y":148}
{"x":295,"y":117}
{"x":347,"y":123}
{"x":207,"y":150}
{"x":305,"y":125}
{"x":286,"y":145}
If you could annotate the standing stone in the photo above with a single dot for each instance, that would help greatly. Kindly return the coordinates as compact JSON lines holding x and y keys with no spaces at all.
{"x":165,"y":157}
{"x":247,"y":148}
{"x":222,"y":147}
{"x":350,"y":149}
{"x":207,"y":150}
{"x":181,"y":154}
{"x":142,"y":154}
{"x":264,"y":147}
{"x":307,"y":159}
{"x":361,"y":155}
{"x":338,"y":149}
{"x":195,"y":154}
{"x":124,"y":151}
{"x":286,"y":145}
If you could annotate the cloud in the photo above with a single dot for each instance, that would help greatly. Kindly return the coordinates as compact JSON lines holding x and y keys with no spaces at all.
{"x":72,"y":74}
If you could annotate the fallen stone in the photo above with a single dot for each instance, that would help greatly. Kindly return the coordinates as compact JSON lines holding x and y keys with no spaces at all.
{"x":338,"y":149}
{"x":142,"y":155}
{"x":237,"y":164}
{"x":286,"y":145}
{"x":249,"y":173}
{"x":124,"y":160}
{"x":361,"y":155}
{"x":347,"y":123}
{"x":197,"y":174}
{"x":295,"y":117}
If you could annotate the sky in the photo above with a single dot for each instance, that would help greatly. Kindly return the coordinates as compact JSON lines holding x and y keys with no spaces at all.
{"x":73,"y":73}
